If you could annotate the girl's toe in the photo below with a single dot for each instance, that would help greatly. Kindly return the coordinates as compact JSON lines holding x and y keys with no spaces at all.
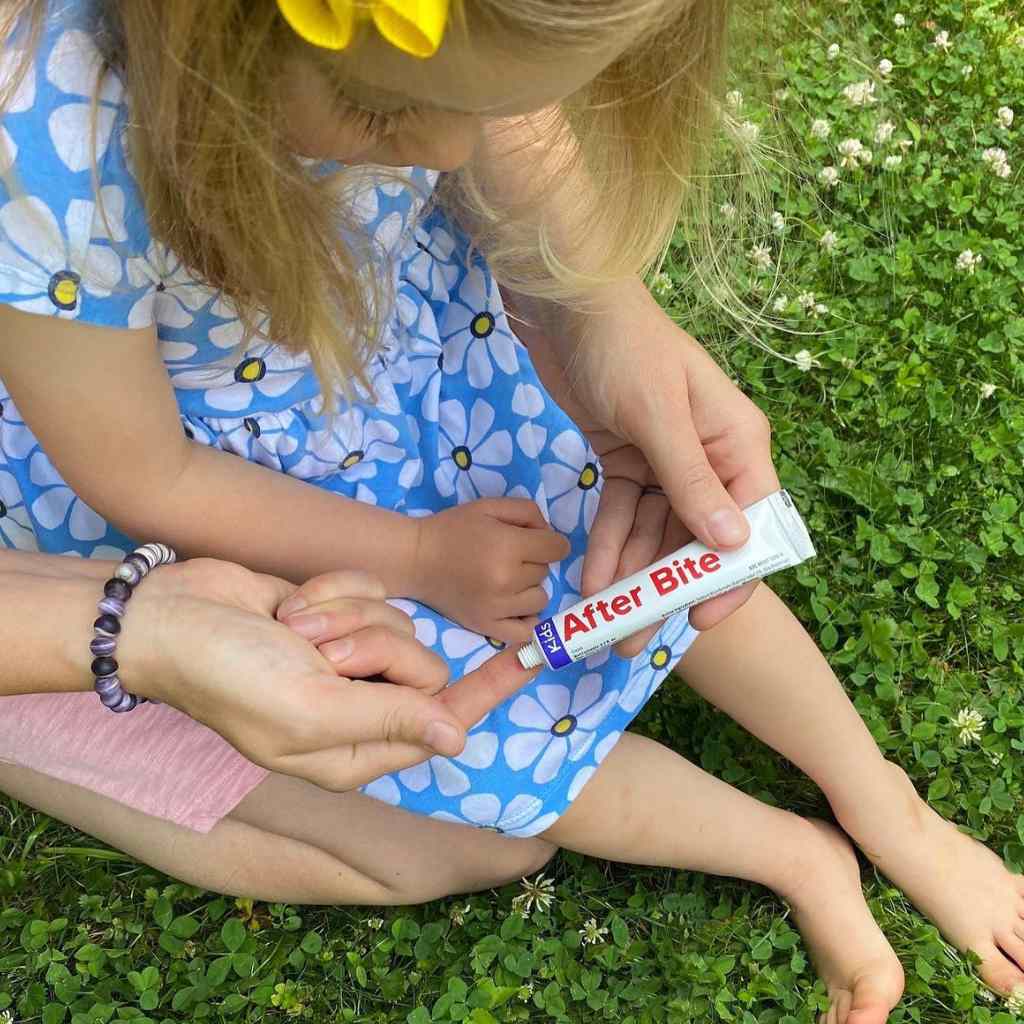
{"x":842,"y":1002}
{"x":998,"y":970}
{"x":1013,"y":946}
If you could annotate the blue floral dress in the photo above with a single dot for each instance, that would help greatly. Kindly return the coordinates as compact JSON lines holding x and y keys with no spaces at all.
{"x":458,"y":414}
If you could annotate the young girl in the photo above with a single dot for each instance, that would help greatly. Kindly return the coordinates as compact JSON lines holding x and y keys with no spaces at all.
{"x":182,"y":265}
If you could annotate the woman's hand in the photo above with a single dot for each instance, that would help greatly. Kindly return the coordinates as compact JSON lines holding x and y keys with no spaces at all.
{"x":202,"y":636}
{"x":660,"y":413}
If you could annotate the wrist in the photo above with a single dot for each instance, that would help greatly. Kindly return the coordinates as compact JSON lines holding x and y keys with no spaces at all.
{"x":418,"y":572}
{"x":144,"y":666}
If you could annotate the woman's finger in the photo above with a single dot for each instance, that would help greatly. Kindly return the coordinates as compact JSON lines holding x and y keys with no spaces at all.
{"x":647,"y":535}
{"x":480,"y":691}
{"x":616,"y":512}
{"x":398,"y":657}
{"x":344,"y":615}
{"x":329,"y":586}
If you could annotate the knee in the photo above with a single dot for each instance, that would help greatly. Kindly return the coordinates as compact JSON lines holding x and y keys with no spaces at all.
{"x":520,"y":858}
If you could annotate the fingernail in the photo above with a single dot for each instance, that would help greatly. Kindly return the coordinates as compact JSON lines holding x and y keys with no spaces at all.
{"x":340,"y":650}
{"x":309,"y":626}
{"x":294,"y":604}
{"x":728,"y":527}
{"x":443,"y":738}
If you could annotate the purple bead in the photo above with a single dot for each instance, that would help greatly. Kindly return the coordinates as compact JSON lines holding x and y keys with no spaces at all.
{"x":149,"y":554}
{"x":108,"y":684}
{"x":111,"y":606}
{"x":128,"y":703}
{"x":104,"y":666}
{"x":117,"y":589}
{"x":140,"y":564}
{"x":112,"y":698}
{"x":103,"y":645}
{"x":107,"y":625}
{"x":128,"y":573}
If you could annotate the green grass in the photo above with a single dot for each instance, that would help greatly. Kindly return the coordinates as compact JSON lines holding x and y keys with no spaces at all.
{"x":913,"y":485}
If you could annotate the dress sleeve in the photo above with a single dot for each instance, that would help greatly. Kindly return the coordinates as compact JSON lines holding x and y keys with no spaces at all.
{"x":73,"y":244}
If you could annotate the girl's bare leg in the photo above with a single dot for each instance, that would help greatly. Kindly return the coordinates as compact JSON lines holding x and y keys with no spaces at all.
{"x":647,"y":805}
{"x":763,"y":670}
{"x":414,"y":859}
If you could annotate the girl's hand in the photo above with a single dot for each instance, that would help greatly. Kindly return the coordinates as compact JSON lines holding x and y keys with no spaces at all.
{"x":202,"y":636}
{"x":482,"y":564}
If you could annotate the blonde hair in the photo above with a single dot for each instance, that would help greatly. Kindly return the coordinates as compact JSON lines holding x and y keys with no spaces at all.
{"x":225,"y":194}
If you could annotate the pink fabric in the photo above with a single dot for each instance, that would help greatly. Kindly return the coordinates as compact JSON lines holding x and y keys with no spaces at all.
{"x":154,"y":759}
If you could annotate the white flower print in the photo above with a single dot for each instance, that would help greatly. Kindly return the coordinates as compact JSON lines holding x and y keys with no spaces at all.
{"x":468,"y":451}
{"x":654,"y":663}
{"x":266,"y":371}
{"x":425,"y":359}
{"x":528,"y":400}
{"x":353,"y":445}
{"x":58,"y":504}
{"x":15,"y":524}
{"x":49,"y":268}
{"x":475,"y":334}
{"x":464,"y":643}
{"x":559,"y":723}
{"x":384,"y":789}
{"x":16,"y":440}
{"x":74,"y":65}
{"x":583,"y":776}
{"x":480,"y":751}
{"x":519,"y":817}
{"x":24,"y":98}
{"x":571,"y":483}
{"x":176,"y":295}
{"x":261,"y":438}
{"x":429,"y":271}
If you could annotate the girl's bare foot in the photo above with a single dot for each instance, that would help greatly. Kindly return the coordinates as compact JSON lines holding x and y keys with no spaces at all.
{"x":962,"y":886}
{"x":857,"y":964}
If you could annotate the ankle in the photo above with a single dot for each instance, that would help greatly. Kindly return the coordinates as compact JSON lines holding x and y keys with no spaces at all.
{"x":884,"y":797}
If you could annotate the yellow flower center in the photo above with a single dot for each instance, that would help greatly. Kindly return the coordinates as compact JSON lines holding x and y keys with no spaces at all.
{"x":659,"y":659}
{"x":564,"y":725}
{"x":63,"y":289}
{"x":482,"y":325}
{"x":462,"y":457}
{"x":67,"y":292}
{"x":351,"y":459}
{"x":588,"y":477}
{"x":498,"y":645}
{"x":249,"y":371}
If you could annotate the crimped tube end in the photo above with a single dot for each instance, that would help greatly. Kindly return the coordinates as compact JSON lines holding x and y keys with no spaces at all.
{"x":529,"y":656}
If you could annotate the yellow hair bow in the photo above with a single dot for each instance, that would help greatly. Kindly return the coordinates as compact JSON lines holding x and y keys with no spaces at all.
{"x":414,"y":26}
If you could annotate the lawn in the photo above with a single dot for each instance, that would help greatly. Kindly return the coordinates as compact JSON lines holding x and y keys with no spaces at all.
{"x":875,"y":310}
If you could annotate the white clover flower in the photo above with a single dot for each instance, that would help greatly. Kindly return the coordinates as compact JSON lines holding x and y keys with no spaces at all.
{"x":892,"y":162}
{"x":539,"y":893}
{"x":458,"y":914}
{"x":748,"y":132}
{"x":833,"y":51}
{"x":780,"y":304}
{"x":968,"y":724}
{"x":821,"y":129}
{"x":829,"y":241}
{"x":967,"y":70}
{"x":829,"y":176}
{"x":734,"y":99}
{"x":850,"y":151}
{"x":820,"y":309}
{"x":727,"y":210}
{"x":885,"y":66}
{"x":778,"y":222}
{"x":375,"y":923}
{"x":1005,"y":116}
{"x":6,"y":1018}
{"x":861,"y":94}
{"x":906,"y":145}
{"x":884,"y":132}
{"x":941,"y":42}
{"x":899,"y":20}
{"x":780,"y":95}
{"x":805,"y":361}
{"x":988,"y":390}
{"x":865,"y":156}
{"x":590,"y":932}
{"x":662,"y":285}
{"x":761,"y":257}
{"x":1015,"y":1000}
{"x":806,"y":300}
{"x":846,"y":363}
{"x":968,"y":261}
{"x":996,"y":158}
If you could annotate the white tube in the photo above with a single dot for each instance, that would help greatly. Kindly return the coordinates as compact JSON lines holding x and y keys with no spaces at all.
{"x":778,"y":540}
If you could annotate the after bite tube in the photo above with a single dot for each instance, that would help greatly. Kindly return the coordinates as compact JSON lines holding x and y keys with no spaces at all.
{"x":695,"y":573}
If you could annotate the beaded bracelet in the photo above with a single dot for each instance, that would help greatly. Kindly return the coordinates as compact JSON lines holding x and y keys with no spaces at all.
{"x":116,"y":593}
